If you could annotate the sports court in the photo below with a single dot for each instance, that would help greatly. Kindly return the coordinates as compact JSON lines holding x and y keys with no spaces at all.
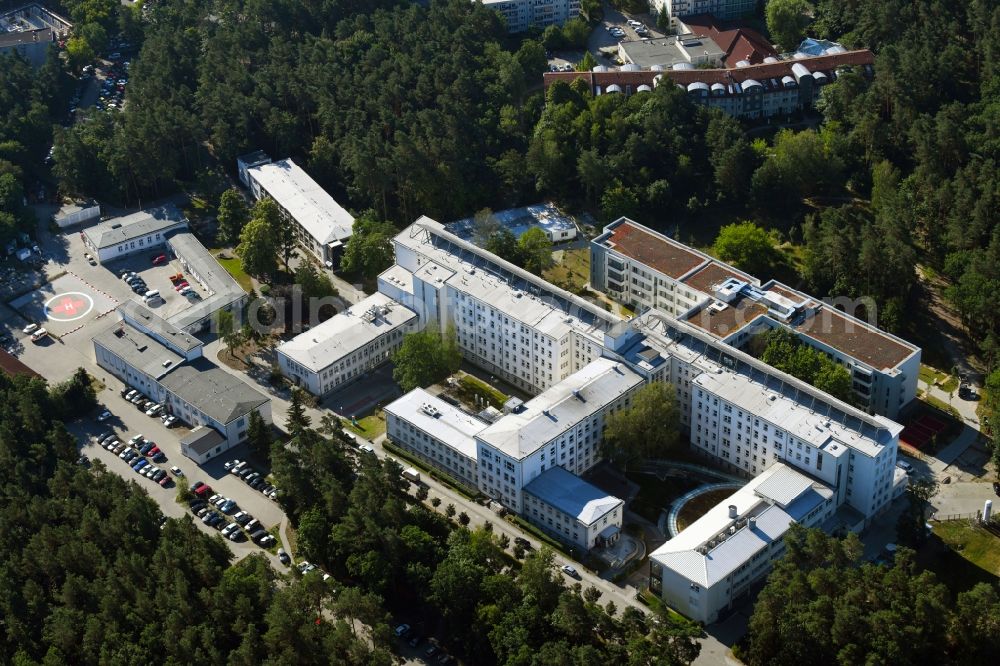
{"x":922,"y":430}
{"x":64,"y":305}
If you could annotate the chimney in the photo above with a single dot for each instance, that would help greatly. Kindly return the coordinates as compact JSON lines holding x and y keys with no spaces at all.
{"x":732,"y":512}
{"x":752,"y":523}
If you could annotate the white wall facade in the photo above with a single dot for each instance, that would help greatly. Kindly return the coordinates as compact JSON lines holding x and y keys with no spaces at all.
{"x":522,"y":14}
{"x":569,"y":528}
{"x":431,"y":450}
{"x":345,"y":369}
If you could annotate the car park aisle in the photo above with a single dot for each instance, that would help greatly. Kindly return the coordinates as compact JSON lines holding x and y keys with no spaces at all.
{"x":127,"y":421}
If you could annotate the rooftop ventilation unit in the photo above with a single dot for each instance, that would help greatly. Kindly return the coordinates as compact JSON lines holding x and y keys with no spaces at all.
{"x":430,"y":410}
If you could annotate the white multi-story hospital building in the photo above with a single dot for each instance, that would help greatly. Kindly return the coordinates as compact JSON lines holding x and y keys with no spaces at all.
{"x":813,"y":459}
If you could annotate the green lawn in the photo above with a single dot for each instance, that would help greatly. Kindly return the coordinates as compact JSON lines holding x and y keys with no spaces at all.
{"x":370,"y":426}
{"x":572,"y":271}
{"x":656,"y":495}
{"x":470,"y":387}
{"x":945,"y":382}
{"x":235,"y":268}
{"x":971,"y":555}
{"x":942,"y":405}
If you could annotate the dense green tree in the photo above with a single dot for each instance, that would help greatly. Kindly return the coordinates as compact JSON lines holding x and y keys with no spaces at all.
{"x":369,"y":250}
{"x":648,"y":427}
{"x":787,"y":21}
{"x":782,"y":349}
{"x":535,"y":250}
{"x":259,"y":242}
{"x":297,"y":419}
{"x":424,"y":358}
{"x":746,"y":246}
{"x":822,"y":605}
{"x":503,"y":243}
{"x":314,"y":284}
{"x":233,"y":216}
{"x":259,"y":439}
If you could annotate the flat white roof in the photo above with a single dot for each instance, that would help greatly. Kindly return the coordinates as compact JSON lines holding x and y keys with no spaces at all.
{"x":346,"y":332}
{"x":560,"y":407}
{"x":311,"y":206}
{"x":706,"y":552}
{"x":521,"y":296}
{"x":443,"y":421}
{"x":785,"y":413}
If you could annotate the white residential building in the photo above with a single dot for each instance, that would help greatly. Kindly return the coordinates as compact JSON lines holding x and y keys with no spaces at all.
{"x":648,"y":270}
{"x":436,"y":432}
{"x":122,"y":236}
{"x":347,"y":345}
{"x":321,"y":224}
{"x":523,"y":14}
{"x":562,"y":427}
{"x":716,"y":559}
{"x":724,"y":9}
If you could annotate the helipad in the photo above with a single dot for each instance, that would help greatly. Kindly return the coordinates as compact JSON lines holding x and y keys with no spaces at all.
{"x":64,"y":305}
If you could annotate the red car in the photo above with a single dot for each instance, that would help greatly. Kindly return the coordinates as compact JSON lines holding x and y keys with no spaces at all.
{"x":153,"y":451}
{"x":159,"y":260}
{"x":203,"y":491}
{"x":166,"y":481}
{"x":180,"y":285}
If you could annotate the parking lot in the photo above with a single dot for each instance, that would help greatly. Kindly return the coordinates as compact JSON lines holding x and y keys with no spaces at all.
{"x":603,"y":42}
{"x":126,"y":421}
{"x":154,"y":277}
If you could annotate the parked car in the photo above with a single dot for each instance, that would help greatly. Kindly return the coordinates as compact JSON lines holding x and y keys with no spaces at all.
{"x":104,"y":436}
{"x":402,"y":630}
{"x":39,"y":334}
{"x":416,"y":640}
{"x":159,"y":457}
{"x":228,"y":506}
{"x":103,"y":416}
{"x":431,"y":650}
{"x":140,"y":464}
{"x":176,"y":471}
{"x":159,"y":260}
{"x":304,"y":567}
{"x":570,"y":571}
{"x":154,"y":410}
{"x":242,"y":518}
{"x":228,"y":529}
{"x":229,"y":464}
{"x":165,"y":482}
{"x":136,"y":439}
{"x":170,"y":421}
{"x":284,"y":557}
{"x":29,"y":329}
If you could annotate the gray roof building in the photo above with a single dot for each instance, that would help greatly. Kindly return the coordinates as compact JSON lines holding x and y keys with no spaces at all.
{"x":123,"y":229}
{"x":572,"y":495}
{"x":137,"y":350}
{"x":214,"y":392}
{"x":223,"y":290}
{"x":160,"y":329}
{"x":201,"y":441}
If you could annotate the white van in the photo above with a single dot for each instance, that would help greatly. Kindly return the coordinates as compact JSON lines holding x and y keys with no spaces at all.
{"x":39,"y":334}
{"x":151,"y":296}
